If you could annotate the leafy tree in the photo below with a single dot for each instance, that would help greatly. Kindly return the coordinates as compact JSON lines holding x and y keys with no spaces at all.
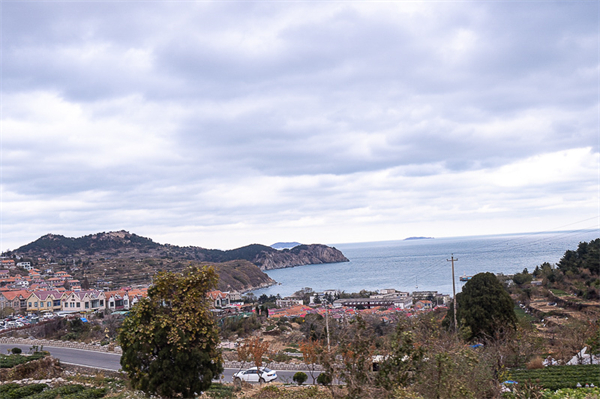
{"x":485,"y":307}
{"x":586,"y":256}
{"x":404,"y":360}
{"x":324,"y":379}
{"x":7,"y":311}
{"x":170,"y":339}
{"x":524,"y":277}
{"x":300,"y":378}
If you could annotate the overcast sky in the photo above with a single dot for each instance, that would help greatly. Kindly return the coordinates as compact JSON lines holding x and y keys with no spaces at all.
{"x":221,"y":124}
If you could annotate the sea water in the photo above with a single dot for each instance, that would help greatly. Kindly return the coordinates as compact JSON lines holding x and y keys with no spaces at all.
{"x":425,"y":264}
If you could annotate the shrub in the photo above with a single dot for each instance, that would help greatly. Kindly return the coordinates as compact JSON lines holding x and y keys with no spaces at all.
{"x":300,"y":378}
{"x":324,"y":379}
{"x":16,"y":351}
{"x":535,"y":363}
{"x":27,"y":390}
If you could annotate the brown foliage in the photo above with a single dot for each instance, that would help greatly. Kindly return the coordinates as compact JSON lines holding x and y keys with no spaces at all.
{"x":535,"y":363}
{"x":45,"y":368}
{"x":253,"y":349}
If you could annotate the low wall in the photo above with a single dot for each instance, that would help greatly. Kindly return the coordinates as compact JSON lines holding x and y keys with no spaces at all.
{"x":274,"y":366}
{"x":86,"y":370}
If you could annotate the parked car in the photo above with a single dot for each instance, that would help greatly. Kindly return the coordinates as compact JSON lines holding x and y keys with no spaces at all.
{"x":263,"y":374}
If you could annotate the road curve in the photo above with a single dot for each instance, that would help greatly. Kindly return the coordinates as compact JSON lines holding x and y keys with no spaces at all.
{"x":111,"y":361}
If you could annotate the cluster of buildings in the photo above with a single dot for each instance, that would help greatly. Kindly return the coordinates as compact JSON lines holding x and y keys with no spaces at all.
{"x":384,"y":300}
{"x":42,"y":301}
{"x":391,"y":298}
{"x":48,"y":291}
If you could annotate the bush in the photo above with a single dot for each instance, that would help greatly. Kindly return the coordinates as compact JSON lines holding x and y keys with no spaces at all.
{"x":16,"y":351}
{"x":324,"y":379}
{"x":27,"y":390}
{"x":300,"y":378}
{"x":535,"y":363}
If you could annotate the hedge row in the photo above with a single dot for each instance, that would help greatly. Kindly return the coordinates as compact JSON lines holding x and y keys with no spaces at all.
{"x":558,"y":377}
{"x":10,"y":361}
{"x":42,"y":391}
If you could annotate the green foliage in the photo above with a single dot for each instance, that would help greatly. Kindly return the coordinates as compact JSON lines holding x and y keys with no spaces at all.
{"x":274,"y":392}
{"x":16,"y":351}
{"x":485,"y":307}
{"x":170,"y":340}
{"x":587,"y":256}
{"x":570,"y":393}
{"x":42,"y":391}
{"x":557,"y":377}
{"x":220,"y":391}
{"x":522,"y":278}
{"x":404,"y":361}
{"x":10,"y":361}
{"x":24,"y":391}
{"x":356,"y":354}
{"x":324,"y":379}
{"x":242,"y":326}
{"x":300,"y":378}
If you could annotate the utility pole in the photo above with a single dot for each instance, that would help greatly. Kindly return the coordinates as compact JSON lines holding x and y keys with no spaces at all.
{"x":327,"y":326}
{"x":453,"y":287}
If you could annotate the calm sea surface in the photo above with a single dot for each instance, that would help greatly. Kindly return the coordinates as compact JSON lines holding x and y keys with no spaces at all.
{"x":422,"y":265}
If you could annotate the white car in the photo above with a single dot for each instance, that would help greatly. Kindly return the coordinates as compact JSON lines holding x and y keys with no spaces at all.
{"x":263,"y":374}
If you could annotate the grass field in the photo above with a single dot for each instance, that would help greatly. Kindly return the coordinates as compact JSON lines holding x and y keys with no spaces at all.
{"x":557,"y":377}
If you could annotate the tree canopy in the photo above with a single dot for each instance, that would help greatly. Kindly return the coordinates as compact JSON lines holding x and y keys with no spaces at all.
{"x":170,"y":340}
{"x":587,"y":256}
{"x":485,"y":307}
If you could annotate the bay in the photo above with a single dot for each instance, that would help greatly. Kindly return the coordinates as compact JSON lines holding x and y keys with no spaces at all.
{"x":422,"y":265}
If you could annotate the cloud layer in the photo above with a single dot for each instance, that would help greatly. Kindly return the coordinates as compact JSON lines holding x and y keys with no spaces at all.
{"x":223,"y":123}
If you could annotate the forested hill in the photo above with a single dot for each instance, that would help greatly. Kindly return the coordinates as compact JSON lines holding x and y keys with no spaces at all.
{"x":122,"y":244}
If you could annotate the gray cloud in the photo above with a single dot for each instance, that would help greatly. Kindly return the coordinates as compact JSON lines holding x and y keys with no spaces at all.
{"x":167,"y":116}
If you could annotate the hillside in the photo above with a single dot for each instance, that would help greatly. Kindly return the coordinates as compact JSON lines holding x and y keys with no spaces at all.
{"x":116,"y":259}
{"x":122,"y":244}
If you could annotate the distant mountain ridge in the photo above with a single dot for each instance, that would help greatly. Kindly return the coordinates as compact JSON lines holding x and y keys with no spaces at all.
{"x":284,"y":245}
{"x":123,"y":244}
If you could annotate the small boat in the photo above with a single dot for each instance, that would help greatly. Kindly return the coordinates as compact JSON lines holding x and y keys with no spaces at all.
{"x":464,"y":277}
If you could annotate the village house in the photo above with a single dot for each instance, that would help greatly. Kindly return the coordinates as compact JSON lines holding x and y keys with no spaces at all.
{"x":25,"y":265}
{"x":63,"y":275}
{"x":219,"y":299}
{"x":117,"y":300}
{"x":44,"y":301}
{"x":17,"y":300}
{"x":135,"y":295}
{"x":423,"y":304}
{"x":402,"y":302}
{"x":84,"y":301}
{"x":390,"y":293}
{"x":6,"y":281}
{"x":234,"y":296}
{"x":288,"y":302}
{"x":369,"y":303}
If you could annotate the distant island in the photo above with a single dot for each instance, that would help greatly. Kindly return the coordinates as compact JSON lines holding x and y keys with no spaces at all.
{"x":418,"y":238}
{"x":285,"y":245}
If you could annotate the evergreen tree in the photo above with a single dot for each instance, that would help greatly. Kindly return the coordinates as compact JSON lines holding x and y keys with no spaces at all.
{"x":485,"y":309}
{"x":170,"y":339}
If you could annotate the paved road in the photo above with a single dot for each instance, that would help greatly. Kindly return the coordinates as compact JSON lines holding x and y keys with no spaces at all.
{"x":111,"y":361}
{"x":101,"y":360}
